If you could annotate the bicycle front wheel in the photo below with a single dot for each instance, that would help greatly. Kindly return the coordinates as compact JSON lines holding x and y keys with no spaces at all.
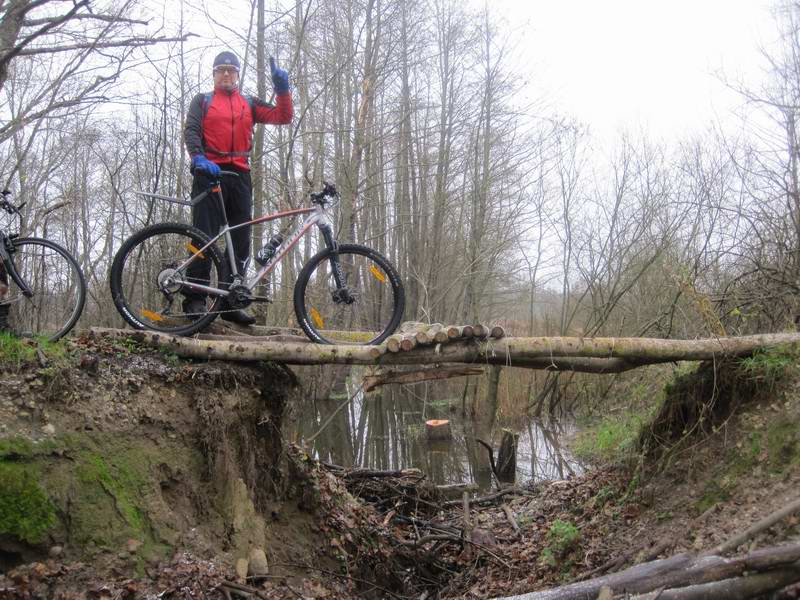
{"x":365,"y":307}
{"x":58,"y":286}
{"x":151,"y":279}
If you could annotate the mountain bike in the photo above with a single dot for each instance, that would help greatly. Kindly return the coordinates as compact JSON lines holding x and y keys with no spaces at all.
{"x":344,"y":294}
{"x":42,"y":287}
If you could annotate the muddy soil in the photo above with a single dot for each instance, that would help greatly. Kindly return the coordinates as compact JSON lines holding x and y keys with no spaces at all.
{"x":149,"y":476}
{"x":128,"y":473}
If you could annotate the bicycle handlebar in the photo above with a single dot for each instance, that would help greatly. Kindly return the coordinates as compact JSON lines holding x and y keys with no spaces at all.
{"x":328,"y":194}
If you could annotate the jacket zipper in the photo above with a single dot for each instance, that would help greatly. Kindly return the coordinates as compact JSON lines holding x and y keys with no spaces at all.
{"x":233,"y":121}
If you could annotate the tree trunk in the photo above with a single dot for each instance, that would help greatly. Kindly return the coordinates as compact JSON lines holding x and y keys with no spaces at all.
{"x":599,"y":355}
{"x":676,"y":572}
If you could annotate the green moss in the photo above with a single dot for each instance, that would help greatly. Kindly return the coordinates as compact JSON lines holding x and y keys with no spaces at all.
{"x":20,"y":448}
{"x":775,"y":447}
{"x":562,"y":538}
{"x":18,"y":351}
{"x":770,"y":365}
{"x":604,"y":495}
{"x":107,"y":488}
{"x":714,"y":492}
{"x":118,"y":483}
{"x":610,"y":440}
{"x":25,"y":510}
{"x":16,"y":447}
{"x":782,"y":441}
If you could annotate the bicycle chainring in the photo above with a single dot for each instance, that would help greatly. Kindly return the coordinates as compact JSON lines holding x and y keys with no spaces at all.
{"x":239,"y":297}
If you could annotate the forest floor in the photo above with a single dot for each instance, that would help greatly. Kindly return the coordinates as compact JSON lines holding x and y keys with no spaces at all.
{"x":109,"y":488}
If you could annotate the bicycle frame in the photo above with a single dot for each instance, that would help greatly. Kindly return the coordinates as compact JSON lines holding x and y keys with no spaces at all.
{"x":318,"y":216}
{"x":10,"y":268}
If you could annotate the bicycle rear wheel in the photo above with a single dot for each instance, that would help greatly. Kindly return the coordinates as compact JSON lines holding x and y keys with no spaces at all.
{"x":149,"y":273}
{"x":58,"y":286}
{"x":366,"y":311}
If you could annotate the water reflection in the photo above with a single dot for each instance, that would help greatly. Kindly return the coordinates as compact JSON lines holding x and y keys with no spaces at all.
{"x":385,"y":429}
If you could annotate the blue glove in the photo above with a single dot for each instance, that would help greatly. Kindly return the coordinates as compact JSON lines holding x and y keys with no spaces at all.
{"x":203,"y":165}
{"x":280,"y":78}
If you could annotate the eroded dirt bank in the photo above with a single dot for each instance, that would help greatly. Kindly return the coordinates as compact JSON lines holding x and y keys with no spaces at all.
{"x":125,"y":473}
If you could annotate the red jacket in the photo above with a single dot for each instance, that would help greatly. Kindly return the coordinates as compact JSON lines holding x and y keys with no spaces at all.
{"x":222,"y":129}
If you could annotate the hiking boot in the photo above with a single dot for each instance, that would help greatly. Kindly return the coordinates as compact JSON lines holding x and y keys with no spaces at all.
{"x":194,"y":308}
{"x":239,"y":317}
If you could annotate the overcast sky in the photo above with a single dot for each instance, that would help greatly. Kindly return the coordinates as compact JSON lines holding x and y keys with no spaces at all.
{"x":633,"y":64}
{"x":654,"y":65}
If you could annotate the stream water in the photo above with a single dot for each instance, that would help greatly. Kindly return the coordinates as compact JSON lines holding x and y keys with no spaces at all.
{"x":385,"y":429}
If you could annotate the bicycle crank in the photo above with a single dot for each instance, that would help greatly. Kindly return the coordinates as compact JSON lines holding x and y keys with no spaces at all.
{"x":239,"y":297}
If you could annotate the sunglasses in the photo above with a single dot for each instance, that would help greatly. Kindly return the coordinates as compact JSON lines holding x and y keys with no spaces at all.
{"x":226,"y":70}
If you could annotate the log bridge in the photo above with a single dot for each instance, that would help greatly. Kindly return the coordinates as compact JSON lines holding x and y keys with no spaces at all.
{"x":450,"y":349}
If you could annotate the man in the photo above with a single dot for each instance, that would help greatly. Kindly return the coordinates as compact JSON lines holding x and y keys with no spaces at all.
{"x":218,"y":136}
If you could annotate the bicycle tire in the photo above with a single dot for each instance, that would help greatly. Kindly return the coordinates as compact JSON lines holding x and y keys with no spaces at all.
{"x":377,"y":307}
{"x":147,"y":255}
{"x":58,"y":286}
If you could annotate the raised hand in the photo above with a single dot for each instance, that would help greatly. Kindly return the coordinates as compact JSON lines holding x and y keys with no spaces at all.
{"x":280,"y":78}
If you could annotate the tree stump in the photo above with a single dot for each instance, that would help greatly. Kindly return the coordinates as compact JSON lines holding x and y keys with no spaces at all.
{"x":507,"y":457}
{"x":438,"y":429}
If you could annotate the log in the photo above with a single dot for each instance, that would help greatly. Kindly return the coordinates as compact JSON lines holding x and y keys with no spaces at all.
{"x":427,"y":336}
{"x":589,"y":355}
{"x":221,"y":327}
{"x":393,"y":342}
{"x":675,"y":572}
{"x":412,"y":327}
{"x":750,"y":586}
{"x":497,"y":332}
{"x":418,"y":375}
{"x":457,"y":489}
{"x":511,"y":519}
{"x":381,"y":474}
{"x":233,"y":337}
{"x":480,"y":331}
{"x":377,"y":351}
{"x":488,"y":498}
{"x":438,"y":429}
{"x":757,"y":528}
{"x":408,"y":343}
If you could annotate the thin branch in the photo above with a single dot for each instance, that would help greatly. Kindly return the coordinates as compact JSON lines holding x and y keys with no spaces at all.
{"x":134,"y":42}
{"x":107,"y":18}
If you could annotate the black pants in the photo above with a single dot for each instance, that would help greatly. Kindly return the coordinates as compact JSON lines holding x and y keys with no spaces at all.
{"x":207,"y":217}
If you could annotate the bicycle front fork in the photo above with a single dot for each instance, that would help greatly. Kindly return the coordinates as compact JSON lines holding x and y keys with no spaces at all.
{"x":6,"y":248}
{"x":341,"y":294}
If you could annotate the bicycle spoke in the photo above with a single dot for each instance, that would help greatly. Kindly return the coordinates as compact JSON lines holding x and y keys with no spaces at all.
{"x":364,"y":308}
{"x":58,"y":288}
{"x":152,"y":279}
